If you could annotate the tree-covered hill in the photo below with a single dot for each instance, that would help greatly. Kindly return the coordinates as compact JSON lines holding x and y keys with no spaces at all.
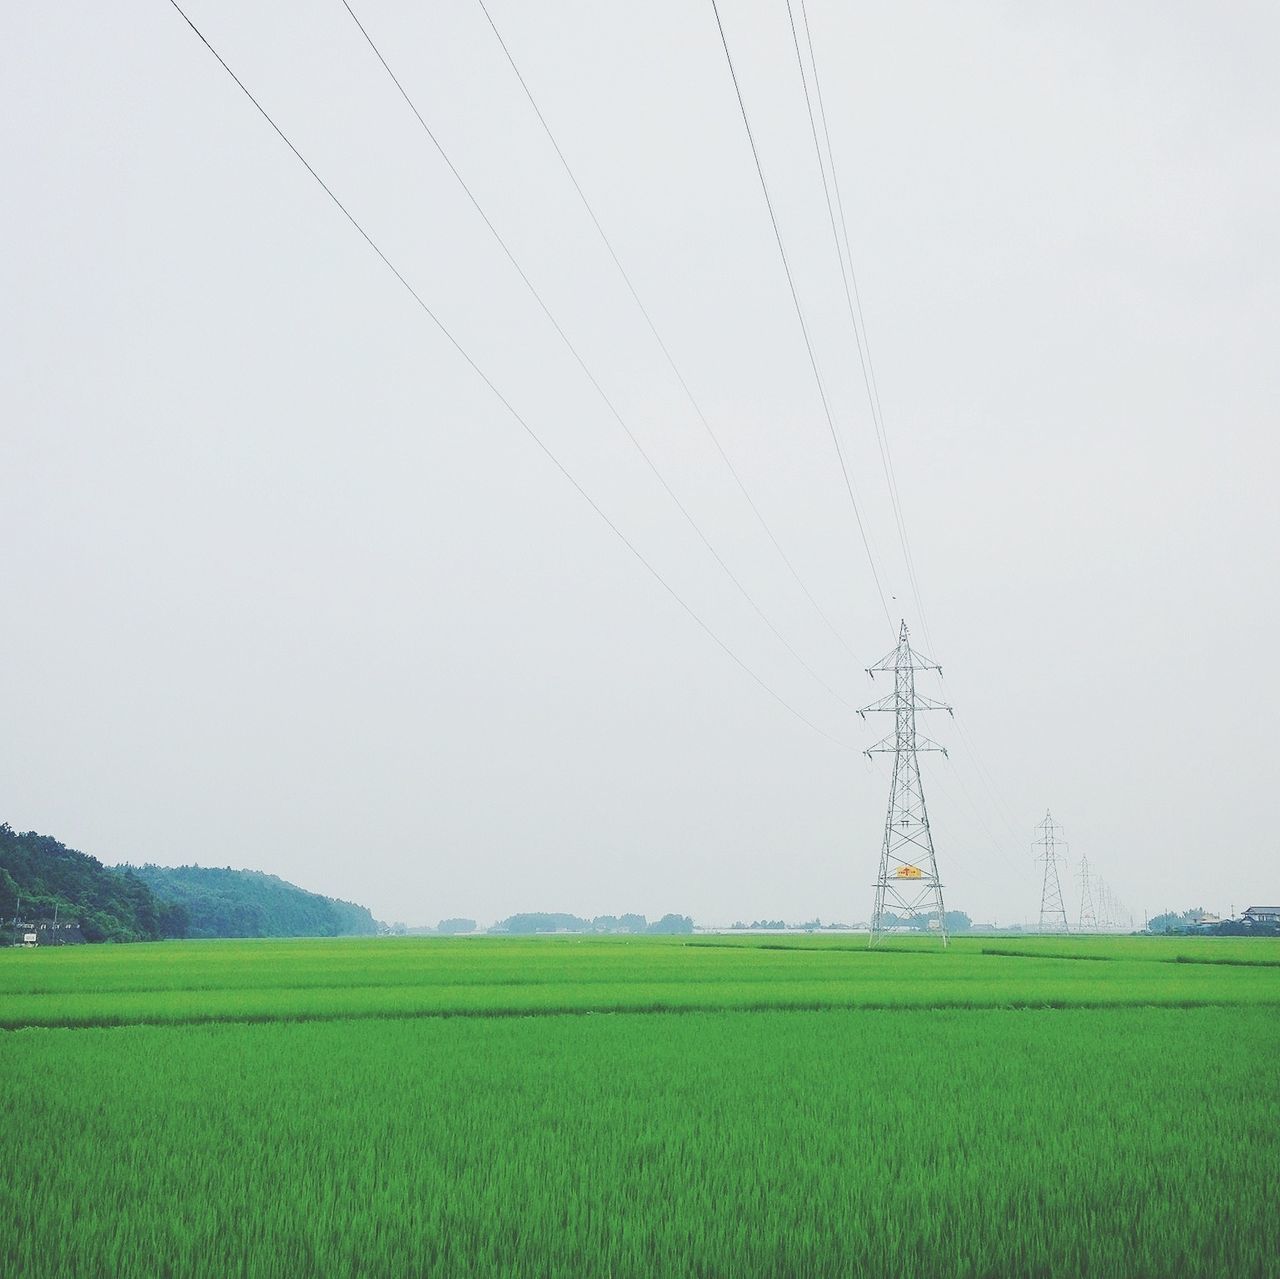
{"x":111,"y":903}
{"x":221,"y":902}
{"x":40,"y":876}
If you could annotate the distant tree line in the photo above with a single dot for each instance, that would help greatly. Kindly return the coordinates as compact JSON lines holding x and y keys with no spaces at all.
{"x":957,"y":922}
{"x":809,"y":926}
{"x":535,"y":922}
{"x":451,"y":927}
{"x":445,"y":928}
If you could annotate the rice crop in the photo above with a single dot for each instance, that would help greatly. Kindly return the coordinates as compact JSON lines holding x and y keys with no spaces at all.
{"x":1068,"y":1119}
{"x":190,"y":983}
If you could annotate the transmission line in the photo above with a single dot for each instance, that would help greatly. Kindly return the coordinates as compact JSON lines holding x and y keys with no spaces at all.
{"x":836,"y":216}
{"x":653,"y":328}
{"x":804,"y":328}
{"x":825,"y":154}
{"x":862,"y":337}
{"x":853,"y":301}
{"x":582,"y":364}
{"x":484,"y":377}
{"x":988,"y":782}
{"x":977,"y":813}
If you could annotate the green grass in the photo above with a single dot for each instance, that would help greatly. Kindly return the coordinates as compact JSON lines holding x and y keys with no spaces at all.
{"x":358,"y":1108}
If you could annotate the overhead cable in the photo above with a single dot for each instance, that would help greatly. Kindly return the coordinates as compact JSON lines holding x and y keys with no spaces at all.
{"x":804,"y":328}
{"x":653,"y":328}
{"x":502,"y":399}
{"x":582,"y":364}
{"x":853,"y":300}
{"x":862,"y":337}
{"x":988,"y":782}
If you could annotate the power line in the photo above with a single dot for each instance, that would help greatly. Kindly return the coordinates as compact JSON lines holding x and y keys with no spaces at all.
{"x":973,"y":807}
{"x":484,"y":377}
{"x":862,"y":337}
{"x":857,"y":321}
{"x":988,"y":782}
{"x":804,"y":328}
{"x":853,"y":301}
{"x":582,"y":364}
{"x":653,"y":328}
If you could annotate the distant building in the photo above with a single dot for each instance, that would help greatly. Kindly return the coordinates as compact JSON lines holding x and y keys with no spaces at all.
{"x":1262,"y":915}
{"x":46,"y":933}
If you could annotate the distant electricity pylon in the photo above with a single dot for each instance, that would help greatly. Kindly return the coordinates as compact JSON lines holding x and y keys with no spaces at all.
{"x":1053,"y":914}
{"x":1112,"y":912}
{"x":1088,"y":915}
{"x":908,"y":886}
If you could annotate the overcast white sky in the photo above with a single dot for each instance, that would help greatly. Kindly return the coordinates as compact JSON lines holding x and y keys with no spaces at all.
{"x":286,"y":587}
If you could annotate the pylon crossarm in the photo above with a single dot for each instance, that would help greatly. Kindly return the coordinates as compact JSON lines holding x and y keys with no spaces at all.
{"x":924,"y":703}
{"x":889,"y":746}
{"x":889,"y":702}
{"x":902,"y":659}
{"x":919,"y":662}
{"x":892,"y":702}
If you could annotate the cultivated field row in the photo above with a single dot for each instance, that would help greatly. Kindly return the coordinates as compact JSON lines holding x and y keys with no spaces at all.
{"x":194,"y":983}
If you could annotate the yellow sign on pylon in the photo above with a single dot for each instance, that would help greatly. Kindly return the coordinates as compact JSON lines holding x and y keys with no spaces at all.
{"x":908,"y":872}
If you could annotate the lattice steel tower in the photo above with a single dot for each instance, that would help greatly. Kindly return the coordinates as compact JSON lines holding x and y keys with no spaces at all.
{"x":1053,"y":914}
{"x":908,"y":886}
{"x":1088,"y":915}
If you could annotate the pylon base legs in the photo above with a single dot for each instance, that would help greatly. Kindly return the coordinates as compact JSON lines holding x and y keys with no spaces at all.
{"x":898,"y":909}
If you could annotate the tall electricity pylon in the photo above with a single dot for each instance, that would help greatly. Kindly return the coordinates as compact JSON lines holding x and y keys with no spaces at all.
{"x":908,"y":886}
{"x":1053,"y":914}
{"x":1088,"y":915}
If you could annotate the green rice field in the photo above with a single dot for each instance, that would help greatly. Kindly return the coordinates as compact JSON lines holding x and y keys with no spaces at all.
{"x":707,"y":1106}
